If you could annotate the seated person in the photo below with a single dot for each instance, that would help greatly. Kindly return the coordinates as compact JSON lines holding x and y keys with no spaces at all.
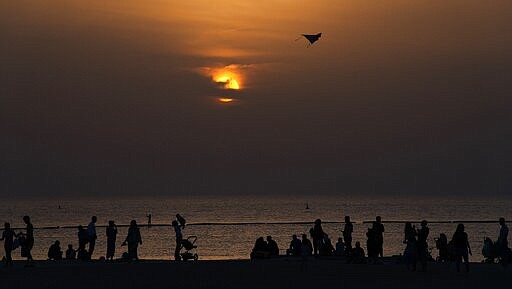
{"x":306,"y":248}
{"x":260,"y":249}
{"x":358,"y":256}
{"x":55,"y":253}
{"x":295,"y":245}
{"x":326,"y":248}
{"x":70,"y":253}
{"x":340,"y":248}
{"x":273,"y":249}
{"x":488,"y":250}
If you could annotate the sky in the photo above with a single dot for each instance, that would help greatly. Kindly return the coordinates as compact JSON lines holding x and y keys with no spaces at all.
{"x":117,"y":97}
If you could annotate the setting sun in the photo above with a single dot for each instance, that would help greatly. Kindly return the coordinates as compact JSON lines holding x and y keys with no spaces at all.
{"x":228,"y":80}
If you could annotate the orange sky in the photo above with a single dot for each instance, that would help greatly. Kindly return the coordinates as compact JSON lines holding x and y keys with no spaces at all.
{"x":393,"y":88}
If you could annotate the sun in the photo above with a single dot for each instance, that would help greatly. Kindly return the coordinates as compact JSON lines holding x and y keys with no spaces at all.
{"x":228,"y":80}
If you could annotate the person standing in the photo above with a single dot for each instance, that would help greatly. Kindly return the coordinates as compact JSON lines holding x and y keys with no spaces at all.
{"x":461,"y":247}
{"x":28,"y":244}
{"x":379,"y":231}
{"x":423,"y":245}
{"x":82,"y":253}
{"x":411,"y":248}
{"x":502,"y":243}
{"x":317,"y":234}
{"x":347,"y":233}
{"x":372,"y":244}
{"x":111,"y":240}
{"x":8,"y":238}
{"x":149,"y":220}
{"x":179,"y":238}
{"x":91,"y":235}
{"x":133,"y":239}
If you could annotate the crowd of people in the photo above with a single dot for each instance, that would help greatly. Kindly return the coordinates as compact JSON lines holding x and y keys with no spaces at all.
{"x":13,"y":240}
{"x":320,"y":244}
{"x":86,"y":241}
{"x":416,"y":248}
{"x":415,"y":241}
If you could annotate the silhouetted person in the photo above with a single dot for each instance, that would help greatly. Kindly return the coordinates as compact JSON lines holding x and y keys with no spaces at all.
{"x":488,"y":251}
{"x":442,"y":247}
{"x":179,"y":238}
{"x":181,"y":220}
{"x":133,"y":239}
{"x":317,"y":234}
{"x":461,"y":247}
{"x":357,"y":255}
{"x":8,"y":238}
{"x":295,"y":245}
{"x":260,"y":249}
{"x":306,"y":248}
{"x":91,"y":235}
{"x":111,"y":232}
{"x":260,"y":245}
{"x":423,"y":245}
{"x":54,"y":252}
{"x":28,"y":243}
{"x":347,"y":233}
{"x":82,"y":241}
{"x":273,"y":249}
{"x":372,"y":244}
{"x":326,"y":247}
{"x":379,"y":232}
{"x":502,"y":242}
{"x":149,"y":220}
{"x":340,"y":247}
{"x":411,"y":248}
{"x":70,"y":253}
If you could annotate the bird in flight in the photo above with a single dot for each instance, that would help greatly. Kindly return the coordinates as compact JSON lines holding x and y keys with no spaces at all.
{"x":312,"y":38}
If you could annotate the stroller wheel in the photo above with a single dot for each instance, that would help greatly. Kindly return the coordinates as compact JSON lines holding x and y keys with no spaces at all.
{"x":196,"y":257}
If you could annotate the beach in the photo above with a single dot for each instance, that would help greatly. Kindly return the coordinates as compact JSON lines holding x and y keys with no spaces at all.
{"x":272,"y":273}
{"x":227,"y":226}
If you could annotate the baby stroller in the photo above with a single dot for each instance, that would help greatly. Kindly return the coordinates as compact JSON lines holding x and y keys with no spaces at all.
{"x":189,"y":247}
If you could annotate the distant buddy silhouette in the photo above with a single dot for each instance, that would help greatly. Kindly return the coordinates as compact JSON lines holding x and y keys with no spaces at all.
{"x":312,"y":38}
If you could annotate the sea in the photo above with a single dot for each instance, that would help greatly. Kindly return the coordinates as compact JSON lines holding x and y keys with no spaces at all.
{"x":227,"y":226}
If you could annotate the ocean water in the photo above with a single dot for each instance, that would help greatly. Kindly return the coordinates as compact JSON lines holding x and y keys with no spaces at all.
{"x":227,"y":226}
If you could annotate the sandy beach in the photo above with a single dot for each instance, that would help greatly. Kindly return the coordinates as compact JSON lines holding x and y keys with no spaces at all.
{"x":278,"y":273}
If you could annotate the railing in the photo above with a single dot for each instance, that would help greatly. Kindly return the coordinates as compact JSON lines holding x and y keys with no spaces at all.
{"x":272,"y":223}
